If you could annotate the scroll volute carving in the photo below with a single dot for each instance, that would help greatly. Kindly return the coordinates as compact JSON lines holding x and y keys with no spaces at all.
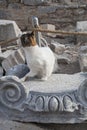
{"x":12,"y":93}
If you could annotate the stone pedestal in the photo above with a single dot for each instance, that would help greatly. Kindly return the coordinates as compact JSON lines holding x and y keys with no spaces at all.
{"x":61,"y":99}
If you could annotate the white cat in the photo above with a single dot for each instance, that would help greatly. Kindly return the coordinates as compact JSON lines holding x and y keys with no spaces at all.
{"x":40,"y":60}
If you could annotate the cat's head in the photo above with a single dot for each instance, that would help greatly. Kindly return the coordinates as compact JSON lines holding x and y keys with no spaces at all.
{"x":28,"y":39}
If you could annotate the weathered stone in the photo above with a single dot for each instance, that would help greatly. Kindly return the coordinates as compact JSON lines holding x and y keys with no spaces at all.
{"x":57,"y":47}
{"x":8,"y":63}
{"x":81,"y":26}
{"x":13,"y":1}
{"x":52,"y":101}
{"x":83,"y":50}
{"x":83,"y":58}
{"x":9,"y":30}
{"x":34,"y":2}
{"x":49,"y":27}
{"x":69,"y":2}
{"x":63,"y":60}
{"x":6,"y":53}
{"x":3,"y":3}
{"x":19,"y":54}
{"x":83,"y":62}
{"x":15,"y":58}
{"x":3,"y":14}
{"x":14,"y":6}
{"x":1,"y":71}
{"x":47,"y":9}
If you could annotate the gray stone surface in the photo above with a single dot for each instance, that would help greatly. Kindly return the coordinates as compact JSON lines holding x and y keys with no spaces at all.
{"x":83,"y":58}
{"x":81,"y":26}
{"x":9,"y":30}
{"x":10,"y":1}
{"x":61,"y":99}
{"x":3,"y":3}
{"x":34,"y":2}
{"x":1,"y":71}
{"x":47,"y":9}
{"x":15,"y":58}
{"x":61,"y":83}
{"x":57,"y":47}
{"x":83,"y":62}
{"x":3,"y":14}
{"x":48,"y":27}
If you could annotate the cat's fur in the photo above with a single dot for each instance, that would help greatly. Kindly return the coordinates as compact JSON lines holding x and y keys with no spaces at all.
{"x":40,"y":60}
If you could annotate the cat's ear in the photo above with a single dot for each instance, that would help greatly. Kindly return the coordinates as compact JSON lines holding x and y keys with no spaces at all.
{"x":33,"y":33}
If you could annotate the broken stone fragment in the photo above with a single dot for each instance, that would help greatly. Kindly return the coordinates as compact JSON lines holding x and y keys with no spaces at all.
{"x":57,"y":48}
{"x":49,"y":27}
{"x":81,"y":26}
{"x":15,"y":58}
{"x":83,"y":50}
{"x":83,"y":58}
{"x":63,"y":60}
{"x":9,"y":30}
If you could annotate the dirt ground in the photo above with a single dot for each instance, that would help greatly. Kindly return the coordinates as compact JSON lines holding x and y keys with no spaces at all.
{"x":11,"y":125}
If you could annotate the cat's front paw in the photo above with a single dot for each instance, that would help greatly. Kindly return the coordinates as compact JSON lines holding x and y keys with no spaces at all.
{"x":24,"y":79}
{"x":44,"y":78}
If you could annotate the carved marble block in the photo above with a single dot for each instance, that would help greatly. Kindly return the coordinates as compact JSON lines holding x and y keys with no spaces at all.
{"x":61,"y":99}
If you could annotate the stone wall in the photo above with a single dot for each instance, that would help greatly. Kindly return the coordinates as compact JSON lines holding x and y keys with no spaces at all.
{"x":62,"y":13}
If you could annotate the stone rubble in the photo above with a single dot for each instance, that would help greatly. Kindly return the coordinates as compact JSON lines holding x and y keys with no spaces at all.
{"x":81,"y":26}
{"x":7,"y":26}
{"x":83,"y":58}
{"x":57,"y":47}
{"x":17,"y":57}
{"x":48,"y":27}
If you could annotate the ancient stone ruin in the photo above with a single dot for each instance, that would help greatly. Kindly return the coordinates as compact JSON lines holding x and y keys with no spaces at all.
{"x":62,"y":99}
{"x":61,"y":95}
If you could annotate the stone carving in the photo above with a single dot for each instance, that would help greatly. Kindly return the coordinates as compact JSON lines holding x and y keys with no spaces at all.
{"x":53,"y":104}
{"x":12,"y":93}
{"x":69,"y":105}
{"x":82,"y":93}
{"x":25,"y":102}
